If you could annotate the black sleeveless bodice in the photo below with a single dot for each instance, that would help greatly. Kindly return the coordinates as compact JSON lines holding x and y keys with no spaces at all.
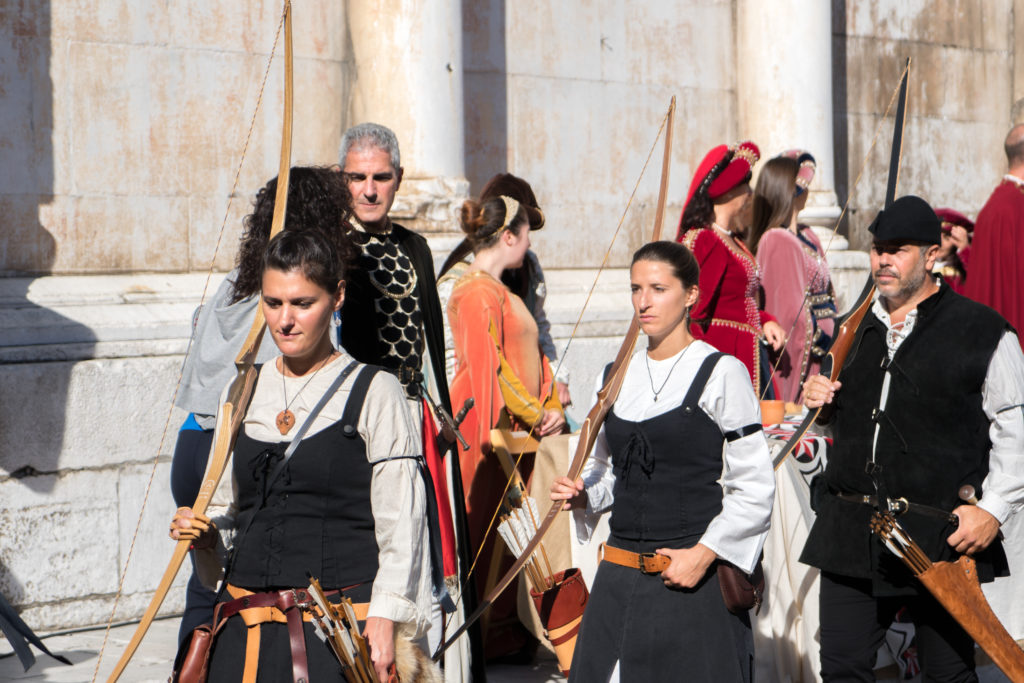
{"x":315,"y":518}
{"x":667,"y":470}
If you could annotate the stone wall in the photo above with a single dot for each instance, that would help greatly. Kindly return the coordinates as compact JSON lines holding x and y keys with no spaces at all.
{"x":123,"y":123}
{"x":964,"y":86}
{"x":570,"y":96}
{"x":126,"y":122}
{"x":89,"y":368}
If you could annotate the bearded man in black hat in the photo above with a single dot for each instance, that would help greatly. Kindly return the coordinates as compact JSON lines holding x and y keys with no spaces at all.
{"x":929,"y":400}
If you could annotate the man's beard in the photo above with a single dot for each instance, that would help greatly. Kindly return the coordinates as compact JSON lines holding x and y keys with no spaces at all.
{"x":909,"y":285}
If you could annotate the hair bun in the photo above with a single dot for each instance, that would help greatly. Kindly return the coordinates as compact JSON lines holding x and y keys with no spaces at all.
{"x":471,"y":217}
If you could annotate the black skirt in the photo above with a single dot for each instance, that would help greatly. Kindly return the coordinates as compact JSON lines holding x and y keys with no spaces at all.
{"x":657,"y":633}
{"x":227,"y":656}
{"x":275,"y":660}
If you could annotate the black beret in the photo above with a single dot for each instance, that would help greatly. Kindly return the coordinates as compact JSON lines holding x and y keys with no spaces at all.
{"x":908,"y":219}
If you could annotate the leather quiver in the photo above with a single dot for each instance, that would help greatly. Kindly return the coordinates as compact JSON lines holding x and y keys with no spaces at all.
{"x":561,"y":611}
{"x":740,"y":591}
{"x":955,"y":585}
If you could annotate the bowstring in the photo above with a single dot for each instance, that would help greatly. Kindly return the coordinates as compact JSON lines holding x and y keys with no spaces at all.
{"x":839,"y":221}
{"x":191,"y":340}
{"x":565,"y":351}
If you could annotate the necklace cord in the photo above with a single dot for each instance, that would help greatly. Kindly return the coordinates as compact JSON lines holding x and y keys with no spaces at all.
{"x":647,"y":362}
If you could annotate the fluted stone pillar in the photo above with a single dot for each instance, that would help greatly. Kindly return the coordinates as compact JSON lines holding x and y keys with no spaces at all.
{"x":784,"y":78}
{"x":407,"y":60}
{"x":784,"y":84}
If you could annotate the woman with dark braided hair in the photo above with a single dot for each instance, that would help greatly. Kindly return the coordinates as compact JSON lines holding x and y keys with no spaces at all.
{"x":318,"y":199}
{"x":682,"y":465}
{"x":727,"y":315}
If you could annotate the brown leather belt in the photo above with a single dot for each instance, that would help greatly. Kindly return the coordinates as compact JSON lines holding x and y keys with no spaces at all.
{"x":646,"y":563}
{"x":289,"y":606}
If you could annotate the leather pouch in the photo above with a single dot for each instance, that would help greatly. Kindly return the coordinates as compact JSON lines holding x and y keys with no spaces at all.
{"x":193,"y":661}
{"x":740,"y":591}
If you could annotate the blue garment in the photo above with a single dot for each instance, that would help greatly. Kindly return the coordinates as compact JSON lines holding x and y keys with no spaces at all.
{"x":190,"y":424}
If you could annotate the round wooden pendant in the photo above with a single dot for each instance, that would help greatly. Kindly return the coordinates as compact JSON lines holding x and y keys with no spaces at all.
{"x":285,"y":420}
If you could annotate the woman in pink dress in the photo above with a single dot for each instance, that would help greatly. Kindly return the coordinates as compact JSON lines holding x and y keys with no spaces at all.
{"x":727,"y":314}
{"x":794,"y":272}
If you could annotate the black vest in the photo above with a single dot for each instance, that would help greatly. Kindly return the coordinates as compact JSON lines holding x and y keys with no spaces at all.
{"x":932,"y":436}
{"x":667,"y":470}
{"x":315,"y":517}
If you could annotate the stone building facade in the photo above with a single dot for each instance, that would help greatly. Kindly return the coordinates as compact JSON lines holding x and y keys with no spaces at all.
{"x":122,"y":125}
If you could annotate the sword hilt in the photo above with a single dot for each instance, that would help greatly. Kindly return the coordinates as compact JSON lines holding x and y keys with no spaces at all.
{"x":461,"y":415}
{"x":446,"y":419}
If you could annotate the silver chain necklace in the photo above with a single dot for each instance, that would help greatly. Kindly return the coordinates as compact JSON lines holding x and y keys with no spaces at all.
{"x":647,"y":362}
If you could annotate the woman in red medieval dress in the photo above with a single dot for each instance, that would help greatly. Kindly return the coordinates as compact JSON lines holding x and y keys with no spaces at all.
{"x":728,"y":315}
{"x":955,"y":250}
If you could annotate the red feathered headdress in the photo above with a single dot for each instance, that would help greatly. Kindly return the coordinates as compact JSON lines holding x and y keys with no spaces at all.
{"x":743,"y":156}
{"x":949,"y":218}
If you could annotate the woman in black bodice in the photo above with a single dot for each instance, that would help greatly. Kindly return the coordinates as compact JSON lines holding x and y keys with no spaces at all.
{"x":348,"y":506}
{"x":683,"y":466}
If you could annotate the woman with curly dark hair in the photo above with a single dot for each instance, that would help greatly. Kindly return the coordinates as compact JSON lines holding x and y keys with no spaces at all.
{"x":318,"y":200}
{"x":727,"y":315}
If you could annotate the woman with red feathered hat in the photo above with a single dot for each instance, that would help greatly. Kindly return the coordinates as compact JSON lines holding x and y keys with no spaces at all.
{"x":954,"y":252}
{"x":727,"y":315}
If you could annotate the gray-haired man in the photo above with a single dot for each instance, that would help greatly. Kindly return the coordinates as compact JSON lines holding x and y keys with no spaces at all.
{"x":392,"y":318}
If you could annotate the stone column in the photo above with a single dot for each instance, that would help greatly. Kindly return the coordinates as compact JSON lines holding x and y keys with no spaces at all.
{"x":408,"y":76}
{"x":784,"y":84}
{"x":784,"y":91}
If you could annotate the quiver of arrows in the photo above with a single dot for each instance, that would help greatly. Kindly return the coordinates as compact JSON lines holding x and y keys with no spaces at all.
{"x":955,"y":585}
{"x":337,"y":625}
{"x":561,"y":610}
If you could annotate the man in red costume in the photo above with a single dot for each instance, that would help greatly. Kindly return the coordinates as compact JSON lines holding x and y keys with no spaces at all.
{"x":997,"y":252}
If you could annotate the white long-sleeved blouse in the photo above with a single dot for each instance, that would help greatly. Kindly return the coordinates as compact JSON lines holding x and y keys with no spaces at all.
{"x":738,"y":532}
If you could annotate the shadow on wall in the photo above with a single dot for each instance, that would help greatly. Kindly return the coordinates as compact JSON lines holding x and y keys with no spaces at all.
{"x":484,"y":91}
{"x":36,"y":342}
{"x":840,"y":116}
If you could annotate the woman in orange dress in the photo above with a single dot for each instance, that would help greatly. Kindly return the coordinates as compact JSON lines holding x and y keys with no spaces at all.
{"x":500,"y":365}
